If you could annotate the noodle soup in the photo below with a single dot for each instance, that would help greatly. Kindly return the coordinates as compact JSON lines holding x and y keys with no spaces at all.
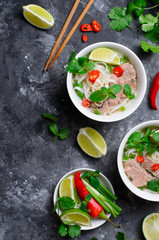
{"x":141,"y":159}
{"x":112,"y":88}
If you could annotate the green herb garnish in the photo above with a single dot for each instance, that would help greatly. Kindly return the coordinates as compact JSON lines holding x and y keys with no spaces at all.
{"x":122,"y":108}
{"x":153,"y":185}
{"x":79,"y":93}
{"x":80,"y":65}
{"x":65,"y":203}
{"x":88,"y":198}
{"x":62,"y":230}
{"x":124,"y":59}
{"x":49,"y":116}
{"x":71,"y":230}
{"x":96,"y":112}
{"x":128,"y":91}
{"x":100,"y":95}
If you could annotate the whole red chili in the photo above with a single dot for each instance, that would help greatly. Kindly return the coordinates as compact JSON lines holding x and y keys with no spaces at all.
{"x":86,"y":27}
{"x":118,"y":71}
{"x":86,"y":103}
{"x":94,"y":207}
{"x":153,"y":91}
{"x":84,"y":38}
{"x":96,"y":26}
{"x":140,"y":159}
{"x":93,"y":76}
{"x":155,"y":167}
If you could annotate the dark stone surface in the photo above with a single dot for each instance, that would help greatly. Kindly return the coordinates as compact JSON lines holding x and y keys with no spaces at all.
{"x":30,"y":164}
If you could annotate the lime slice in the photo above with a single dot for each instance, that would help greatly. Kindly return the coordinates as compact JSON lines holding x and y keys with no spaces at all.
{"x":76,"y":216}
{"x":91,"y":142}
{"x":150,"y":226}
{"x":38,"y":16}
{"x":105,"y":55}
{"x":67,"y":187}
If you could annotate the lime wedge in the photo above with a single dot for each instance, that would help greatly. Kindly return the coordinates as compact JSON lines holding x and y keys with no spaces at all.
{"x":67,"y":187}
{"x":105,"y":55}
{"x":38,"y":16}
{"x":91,"y":142}
{"x":76,"y":216}
{"x":150,"y":226}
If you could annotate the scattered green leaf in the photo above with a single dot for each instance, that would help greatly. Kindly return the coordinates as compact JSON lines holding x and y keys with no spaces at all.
{"x":54,"y":128}
{"x":67,"y":203}
{"x":49,"y":116}
{"x":62,"y":230}
{"x":88,"y":198}
{"x":94,"y":182}
{"x":74,"y":230}
{"x":64,"y":133}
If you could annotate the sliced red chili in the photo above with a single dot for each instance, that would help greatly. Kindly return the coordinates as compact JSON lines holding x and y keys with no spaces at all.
{"x":86,"y":27}
{"x":153,"y":91}
{"x":93,"y":76}
{"x":84,"y":38}
{"x":86,"y":103}
{"x":96,"y":26}
{"x":155,"y":167}
{"x":140,"y":159}
{"x":118,"y":71}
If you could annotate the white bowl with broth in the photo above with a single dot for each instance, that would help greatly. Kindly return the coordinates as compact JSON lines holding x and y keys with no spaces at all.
{"x":145,"y":194}
{"x":141,"y":83}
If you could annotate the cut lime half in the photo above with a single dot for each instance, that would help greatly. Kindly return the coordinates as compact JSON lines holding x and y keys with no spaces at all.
{"x":150,"y":226}
{"x":76,"y":216}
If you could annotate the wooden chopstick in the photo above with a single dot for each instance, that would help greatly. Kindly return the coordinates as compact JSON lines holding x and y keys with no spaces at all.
{"x":62,"y":33}
{"x":71,"y":32}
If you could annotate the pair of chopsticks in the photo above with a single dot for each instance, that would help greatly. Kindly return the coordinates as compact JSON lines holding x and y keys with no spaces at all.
{"x":51,"y":61}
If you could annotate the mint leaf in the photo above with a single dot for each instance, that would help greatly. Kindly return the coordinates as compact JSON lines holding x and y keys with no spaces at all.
{"x":67,"y":203}
{"x":120,"y":236}
{"x":54,"y":128}
{"x":98,"y":96}
{"x":74,"y":230}
{"x":64,"y":133}
{"x":115,"y":88}
{"x":151,"y":148}
{"x":86,"y":174}
{"x":62,"y":230}
{"x":96,"y":173}
{"x":49,"y":116}
{"x":83,"y":206}
{"x":76,"y":84}
{"x":88,"y":198}
{"x":153,"y":185}
{"x":120,"y":18}
{"x":148,"y":47}
{"x":128,"y":90}
{"x":111,"y":95}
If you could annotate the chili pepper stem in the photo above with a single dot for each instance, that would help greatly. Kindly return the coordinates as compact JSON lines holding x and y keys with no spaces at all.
{"x":102,"y":215}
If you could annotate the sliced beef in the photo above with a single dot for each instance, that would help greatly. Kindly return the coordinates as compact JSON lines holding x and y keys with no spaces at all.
{"x":102,"y":109}
{"x":147,"y":164}
{"x":138,"y":175}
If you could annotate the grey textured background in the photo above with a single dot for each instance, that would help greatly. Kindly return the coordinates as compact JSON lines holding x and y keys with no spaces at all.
{"x":30,"y":164}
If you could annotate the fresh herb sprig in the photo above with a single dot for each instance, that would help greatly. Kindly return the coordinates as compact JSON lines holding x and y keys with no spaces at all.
{"x":121,"y":236}
{"x":65,"y":203}
{"x":80,"y":65}
{"x":79,"y":93}
{"x":111,"y":92}
{"x":128,"y":91}
{"x":71,"y":230}
{"x":63,"y":133}
{"x":153,"y":185}
{"x":142,"y":141}
{"x":122,"y":18}
{"x":84,"y":203}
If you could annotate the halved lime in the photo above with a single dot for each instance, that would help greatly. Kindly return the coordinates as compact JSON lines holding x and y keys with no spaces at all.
{"x":38,"y":16}
{"x":76,"y":216}
{"x":67,"y":187}
{"x":150,"y":226}
{"x":105,"y":55}
{"x":91,"y":142}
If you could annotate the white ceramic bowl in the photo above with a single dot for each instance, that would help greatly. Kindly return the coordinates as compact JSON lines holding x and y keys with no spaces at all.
{"x":95,"y":222}
{"x":141,"y":77}
{"x":140,"y":193}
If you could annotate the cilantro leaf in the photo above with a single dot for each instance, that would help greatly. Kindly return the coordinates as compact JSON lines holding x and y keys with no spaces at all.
{"x":148,"y":22}
{"x":150,"y":148}
{"x":125,"y":157}
{"x":155,"y":136}
{"x":148,"y":47}
{"x":67,"y":203}
{"x":153,"y":35}
{"x":76,"y":84}
{"x":62,"y":230}
{"x":83,"y":206}
{"x":120,"y":18}
{"x":74,"y":230}
{"x":72,"y":56}
{"x":88,"y":198}
{"x":80,"y":85}
{"x":89,"y":65}
{"x":74,"y":67}
{"x":64,"y":133}
{"x":49,"y":116}
{"x":137,"y":7}
{"x":124,"y":59}
{"x":81,"y":60}
{"x":54,"y":128}
{"x":120,"y":236}
{"x":135,"y":137}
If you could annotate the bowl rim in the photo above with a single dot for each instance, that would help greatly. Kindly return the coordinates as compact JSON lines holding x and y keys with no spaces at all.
{"x":154,"y":197}
{"x":118,"y":116}
{"x":72,"y":172}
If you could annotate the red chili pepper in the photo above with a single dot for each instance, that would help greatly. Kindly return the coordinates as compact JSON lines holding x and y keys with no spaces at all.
{"x":118,"y":71}
{"x":86,"y":103}
{"x":94,"y":207}
{"x":93,"y":76}
{"x":155,"y":167}
{"x":153,"y":91}
{"x":86,"y":27}
{"x":96,"y":26}
{"x":84,"y":38}
{"x":140,"y":159}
